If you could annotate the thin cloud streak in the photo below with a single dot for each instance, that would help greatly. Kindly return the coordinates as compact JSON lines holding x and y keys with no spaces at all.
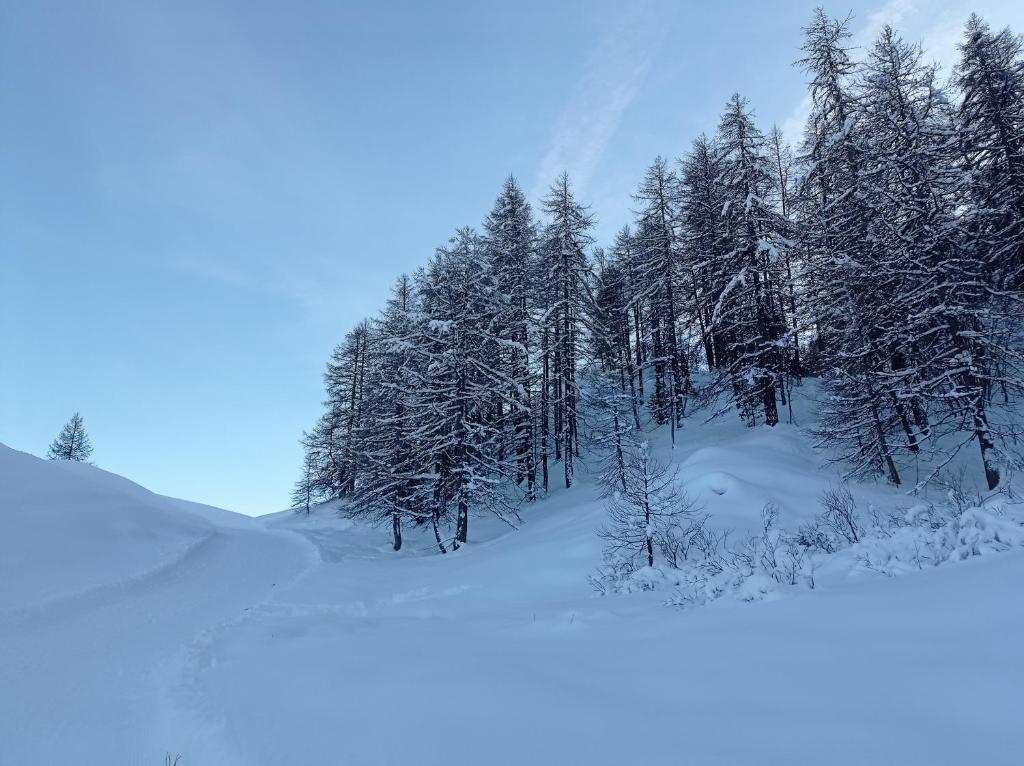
{"x":615,"y":73}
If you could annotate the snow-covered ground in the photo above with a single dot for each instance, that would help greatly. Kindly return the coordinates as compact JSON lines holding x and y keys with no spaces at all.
{"x":133,"y":625}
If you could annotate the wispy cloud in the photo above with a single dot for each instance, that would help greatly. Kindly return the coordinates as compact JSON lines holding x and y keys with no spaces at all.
{"x":614,"y":74}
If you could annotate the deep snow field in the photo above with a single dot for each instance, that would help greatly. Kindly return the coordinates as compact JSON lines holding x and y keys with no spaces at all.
{"x":134,"y":625}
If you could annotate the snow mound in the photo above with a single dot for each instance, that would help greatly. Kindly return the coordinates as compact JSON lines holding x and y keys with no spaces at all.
{"x":735,"y":477}
{"x":68,"y":528}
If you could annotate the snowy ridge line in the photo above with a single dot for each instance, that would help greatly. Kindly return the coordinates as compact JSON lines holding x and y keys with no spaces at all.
{"x":27,"y":616}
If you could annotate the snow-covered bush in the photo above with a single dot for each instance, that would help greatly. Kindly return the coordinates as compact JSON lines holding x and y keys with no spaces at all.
{"x":706,"y":565}
{"x":931,"y":535}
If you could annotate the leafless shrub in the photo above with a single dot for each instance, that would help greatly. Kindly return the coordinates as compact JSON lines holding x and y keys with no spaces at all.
{"x":840,"y":513}
{"x":812,"y":536}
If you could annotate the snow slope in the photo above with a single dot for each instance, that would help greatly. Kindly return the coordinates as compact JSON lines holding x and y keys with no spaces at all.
{"x":105,"y":586}
{"x":69,"y":527}
{"x":306,"y":640}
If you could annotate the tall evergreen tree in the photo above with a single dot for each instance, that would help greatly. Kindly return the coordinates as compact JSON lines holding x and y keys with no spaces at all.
{"x":702,"y":200}
{"x":510,"y":247}
{"x":749,"y":307}
{"x":990,"y":119}
{"x":659,"y":241}
{"x":391,"y":457}
{"x":986,"y":281}
{"x":461,"y":377}
{"x":345,"y":381}
{"x":611,"y":339}
{"x":567,"y":278}
{"x":843,"y":292}
{"x":303,"y":495}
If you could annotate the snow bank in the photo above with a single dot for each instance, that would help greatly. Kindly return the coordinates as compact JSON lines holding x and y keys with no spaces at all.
{"x":67,"y":528}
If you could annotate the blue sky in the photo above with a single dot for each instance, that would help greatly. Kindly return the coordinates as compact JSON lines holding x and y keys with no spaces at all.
{"x":198,"y":199}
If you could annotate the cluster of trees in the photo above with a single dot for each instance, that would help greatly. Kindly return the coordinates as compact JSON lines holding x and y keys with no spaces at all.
{"x":884,"y":254}
{"x":463,"y":393}
{"x":72,"y":443}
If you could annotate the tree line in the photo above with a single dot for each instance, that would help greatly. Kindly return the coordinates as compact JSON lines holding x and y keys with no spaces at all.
{"x":883,"y":254}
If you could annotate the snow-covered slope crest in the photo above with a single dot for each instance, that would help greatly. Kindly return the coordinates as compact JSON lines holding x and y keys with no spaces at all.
{"x":68,"y":528}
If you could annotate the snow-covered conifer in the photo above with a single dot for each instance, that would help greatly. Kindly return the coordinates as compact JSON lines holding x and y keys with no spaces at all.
{"x":510,"y":247}
{"x":645,"y":510}
{"x":72,"y":443}
{"x":566,"y":278}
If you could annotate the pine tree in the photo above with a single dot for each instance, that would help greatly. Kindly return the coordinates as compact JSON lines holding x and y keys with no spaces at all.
{"x":611,"y":341}
{"x":910,"y":183}
{"x":510,"y":247}
{"x":460,"y":386}
{"x":843,"y":290}
{"x":702,"y":199}
{"x":568,"y":305}
{"x":784,"y":167}
{"x":328,"y":447}
{"x":748,"y":309}
{"x":990,"y":119}
{"x":645,"y":508}
{"x":830,"y":205}
{"x":658,"y":241}
{"x":625,"y":254}
{"x":345,"y":382}
{"x":392,"y":460}
{"x":303,"y":494}
{"x":609,"y":418}
{"x":987,"y":278}
{"x":72,"y":443}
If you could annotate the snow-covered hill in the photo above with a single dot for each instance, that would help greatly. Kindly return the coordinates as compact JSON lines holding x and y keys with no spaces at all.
{"x":132,"y":625}
{"x":105,"y":586}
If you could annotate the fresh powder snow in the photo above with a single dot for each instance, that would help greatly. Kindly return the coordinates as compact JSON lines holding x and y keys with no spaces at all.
{"x":134,"y":625}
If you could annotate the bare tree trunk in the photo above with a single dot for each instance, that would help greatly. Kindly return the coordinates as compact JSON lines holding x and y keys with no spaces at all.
{"x":883,"y":446}
{"x":771,"y":409}
{"x":461,"y":523}
{"x":396,"y":530}
{"x":901,"y":411}
{"x":987,"y":447}
{"x":437,"y":532}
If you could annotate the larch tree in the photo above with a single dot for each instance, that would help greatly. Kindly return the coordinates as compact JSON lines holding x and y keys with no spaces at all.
{"x":701,"y":201}
{"x":510,"y":240}
{"x":388,"y":490}
{"x":749,"y":306}
{"x":569,"y":295}
{"x":72,"y":443}
{"x":460,"y":387}
{"x":659,"y":243}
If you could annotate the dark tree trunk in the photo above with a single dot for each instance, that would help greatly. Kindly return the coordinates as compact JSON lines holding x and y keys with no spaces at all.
{"x":883,"y":446}
{"x":437,"y":533}
{"x":901,"y":411}
{"x":987,"y":447}
{"x":771,"y":410}
{"x":461,"y":523}
{"x":396,"y":530}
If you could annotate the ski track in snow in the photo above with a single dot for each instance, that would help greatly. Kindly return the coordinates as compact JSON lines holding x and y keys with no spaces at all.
{"x":104,"y":659}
